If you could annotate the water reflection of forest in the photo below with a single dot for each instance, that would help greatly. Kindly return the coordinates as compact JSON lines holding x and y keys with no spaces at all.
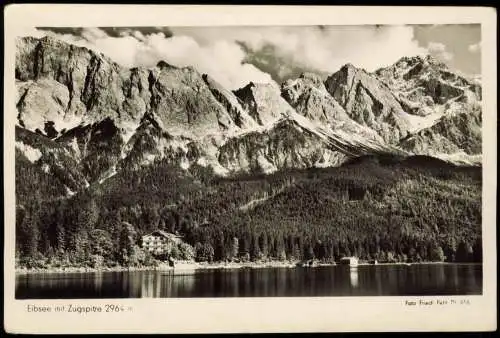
{"x":425,"y":279}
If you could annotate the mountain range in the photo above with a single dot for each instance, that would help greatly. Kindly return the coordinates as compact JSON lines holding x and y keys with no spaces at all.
{"x":82,"y":118}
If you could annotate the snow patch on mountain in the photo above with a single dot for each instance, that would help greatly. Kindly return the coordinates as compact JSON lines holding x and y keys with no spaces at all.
{"x":69,"y":192}
{"x":110,"y":173}
{"x":32,"y":154}
{"x":45,"y":168}
{"x":266,"y":166}
{"x":73,"y":145}
{"x":128,"y":129}
{"x":420,"y":122}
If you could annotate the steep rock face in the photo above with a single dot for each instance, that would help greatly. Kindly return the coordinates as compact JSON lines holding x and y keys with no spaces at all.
{"x":423,"y":84}
{"x":96,"y":146}
{"x":151,"y":142}
{"x":369,"y":102}
{"x":231,"y":103}
{"x":448,"y":102}
{"x":263,"y":102}
{"x":73,"y":95}
{"x":287,"y":145}
{"x":93,"y":81}
{"x":295,"y":142}
{"x":50,"y":159}
{"x":184,"y":102}
{"x":42,"y":105}
{"x":350,"y":143}
{"x":452,"y":134}
{"x":137,"y":97}
{"x":309,"y":97}
{"x":80,"y":85}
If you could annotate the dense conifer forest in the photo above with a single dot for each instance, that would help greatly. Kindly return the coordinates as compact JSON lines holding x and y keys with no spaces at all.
{"x":386,"y":208}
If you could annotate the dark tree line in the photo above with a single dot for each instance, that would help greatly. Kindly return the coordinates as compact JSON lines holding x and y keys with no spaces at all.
{"x":386,"y":211}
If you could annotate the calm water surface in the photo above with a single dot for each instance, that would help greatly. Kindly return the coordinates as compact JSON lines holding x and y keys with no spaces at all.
{"x":381,"y":280}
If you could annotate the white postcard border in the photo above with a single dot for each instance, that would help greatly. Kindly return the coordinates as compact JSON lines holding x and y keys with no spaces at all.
{"x":317,"y":314}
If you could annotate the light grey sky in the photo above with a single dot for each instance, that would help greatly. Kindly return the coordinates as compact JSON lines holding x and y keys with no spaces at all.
{"x":462,"y":42}
{"x":235,"y":56}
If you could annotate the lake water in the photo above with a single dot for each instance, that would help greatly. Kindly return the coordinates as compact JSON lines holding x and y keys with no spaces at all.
{"x":379,"y":280}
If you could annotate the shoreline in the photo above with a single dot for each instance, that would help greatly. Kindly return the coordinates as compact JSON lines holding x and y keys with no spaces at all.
{"x":183,"y":266}
{"x":191,"y":266}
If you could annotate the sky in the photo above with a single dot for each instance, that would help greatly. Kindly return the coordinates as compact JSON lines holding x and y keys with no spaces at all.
{"x":234,"y":56}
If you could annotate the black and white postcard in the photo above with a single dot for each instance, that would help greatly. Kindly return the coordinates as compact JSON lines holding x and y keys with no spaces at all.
{"x":249,"y":169}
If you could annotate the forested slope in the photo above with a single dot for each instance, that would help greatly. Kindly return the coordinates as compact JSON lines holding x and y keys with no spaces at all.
{"x":387,"y":208}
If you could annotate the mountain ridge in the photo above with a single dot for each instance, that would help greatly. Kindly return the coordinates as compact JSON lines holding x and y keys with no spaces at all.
{"x":66,"y":93}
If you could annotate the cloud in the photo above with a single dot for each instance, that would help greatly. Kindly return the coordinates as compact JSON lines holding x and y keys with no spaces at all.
{"x":145,"y":47}
{"x":222,"y":60}
{"x":318,"y":48}
{"x":475,"y":48}
{"x":120,"y":50}
{"x":62,"y":30}
{"x":446,"y":56}
{"x":235,"y":56}
{"x":438,"y":49}
{"x":30,"y":31}
{"x":117,"y":32}
{"x":279,"y":67}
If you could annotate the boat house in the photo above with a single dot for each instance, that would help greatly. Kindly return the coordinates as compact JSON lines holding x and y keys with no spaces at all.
{"x":351,"y":261}
{"x":160,"y":241}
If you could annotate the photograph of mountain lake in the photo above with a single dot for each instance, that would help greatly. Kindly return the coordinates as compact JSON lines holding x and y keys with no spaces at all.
{"x":259,"y":161}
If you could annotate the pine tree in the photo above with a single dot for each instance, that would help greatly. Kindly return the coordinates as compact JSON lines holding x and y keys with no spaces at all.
{"x":219,"y":246}
{"x":235,"y":247}
{"x":60,"y":232}
{"x":255,"y":251}
{"x":127,"y":243}
{"x":264,"y":245}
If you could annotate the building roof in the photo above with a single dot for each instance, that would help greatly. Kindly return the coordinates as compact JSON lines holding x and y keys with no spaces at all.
{"x":164,"y":234}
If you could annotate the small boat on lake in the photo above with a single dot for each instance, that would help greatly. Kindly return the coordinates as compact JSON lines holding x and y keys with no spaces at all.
{"x":350,"y":261}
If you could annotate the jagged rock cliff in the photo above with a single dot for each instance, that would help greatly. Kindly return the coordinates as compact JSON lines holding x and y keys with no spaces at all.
{"x":103,"y":118}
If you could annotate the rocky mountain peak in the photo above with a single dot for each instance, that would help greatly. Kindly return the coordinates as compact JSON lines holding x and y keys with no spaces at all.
{"x":431,"y":60}
{"x":312,"y":78}
{"x":369,"y":101}
{"x":263,"y":101}
{"x":88,"y":84}
{"x":293,"y":89}
{"x":163,"y":64}
{"x":348,"y":67}
{"x":308,"y":96}
{"x":411,"y":67}
{"x":424,"y":83}
{"x":231,"y":103}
